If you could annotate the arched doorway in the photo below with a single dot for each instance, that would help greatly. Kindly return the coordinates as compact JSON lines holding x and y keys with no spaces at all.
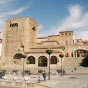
{"x":53,"y":60}
{"x":81,"y":53}
{"x":42,"y":61}
{"x":31,"y":60}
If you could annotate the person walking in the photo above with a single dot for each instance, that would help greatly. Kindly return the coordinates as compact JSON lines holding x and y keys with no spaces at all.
{"x":44,"y":75}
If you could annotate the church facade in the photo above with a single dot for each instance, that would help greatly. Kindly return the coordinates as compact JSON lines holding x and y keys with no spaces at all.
{"x":20,"y":34}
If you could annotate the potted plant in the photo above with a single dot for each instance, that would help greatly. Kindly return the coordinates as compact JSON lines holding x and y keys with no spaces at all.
{"x":49,"y":51}
{"x":61,"y":55}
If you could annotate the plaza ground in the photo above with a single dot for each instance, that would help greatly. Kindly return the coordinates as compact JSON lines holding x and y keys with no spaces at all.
{"x":79,"y":80}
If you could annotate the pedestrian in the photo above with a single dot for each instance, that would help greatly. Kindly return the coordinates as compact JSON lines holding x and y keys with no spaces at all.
{"x":44,"y":75}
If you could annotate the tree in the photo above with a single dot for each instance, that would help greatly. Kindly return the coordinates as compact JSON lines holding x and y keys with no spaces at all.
{"x":49,"y":52}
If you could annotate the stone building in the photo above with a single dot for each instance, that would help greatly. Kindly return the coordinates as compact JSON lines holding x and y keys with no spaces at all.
{"x":20,"y":32}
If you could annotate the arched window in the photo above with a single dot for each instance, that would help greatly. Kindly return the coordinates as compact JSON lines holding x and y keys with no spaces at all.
{"x":53,"y":60}
{"x":31,"y":60}
{"x":42,"y":61}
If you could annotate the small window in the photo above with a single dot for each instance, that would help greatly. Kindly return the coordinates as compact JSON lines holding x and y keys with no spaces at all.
{"x":53,"y":60}
{"x":14,"y":25}
{"x":33,"y":28}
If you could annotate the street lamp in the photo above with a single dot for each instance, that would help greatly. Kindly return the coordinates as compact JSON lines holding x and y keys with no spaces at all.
{"x":49,"y":52}
{"x":61,"y":56}
{"x":23,"y":56}
{"x":20,"y":55}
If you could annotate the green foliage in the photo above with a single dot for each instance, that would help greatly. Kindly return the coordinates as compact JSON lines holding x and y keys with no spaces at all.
{"x":19,"y":56}
{"x":58,"y":59}
{"x":14,"y":61}
{"x":24,"y":56}
{"x":61,"y":55}
{"x":40,"y":61}
{"x":27,"y":62}
{"x":49,"y":51}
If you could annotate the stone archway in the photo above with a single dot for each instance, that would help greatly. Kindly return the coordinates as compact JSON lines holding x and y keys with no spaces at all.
{"x":53,"y":60}
{"x":42,"y":61}
{"x":80,"y":53}
{"x":31,"y":60}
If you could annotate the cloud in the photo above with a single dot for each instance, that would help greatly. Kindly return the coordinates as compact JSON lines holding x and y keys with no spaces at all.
{"x":40,"y":27}
{"x":12,"y":12}
{"x":76,"y":21}
{"x":8,"y":8}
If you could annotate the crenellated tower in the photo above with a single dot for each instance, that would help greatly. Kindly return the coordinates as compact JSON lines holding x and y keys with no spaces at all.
{"x":18,"y":32}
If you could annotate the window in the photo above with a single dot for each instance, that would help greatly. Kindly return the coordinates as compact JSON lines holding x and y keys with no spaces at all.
{"x":14,"y":25}
{"x":53,"y":60}
{"x":31,"y":60}
{"x":33,"y":28}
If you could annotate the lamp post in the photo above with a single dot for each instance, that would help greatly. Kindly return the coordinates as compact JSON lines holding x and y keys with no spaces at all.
{"x":23,"y":58}
{"x":61,"y":56}
{"x":49,"y":52}
{"x":21,"y":55}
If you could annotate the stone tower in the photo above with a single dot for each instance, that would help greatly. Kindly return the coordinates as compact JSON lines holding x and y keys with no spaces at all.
{"x":18,"y":32}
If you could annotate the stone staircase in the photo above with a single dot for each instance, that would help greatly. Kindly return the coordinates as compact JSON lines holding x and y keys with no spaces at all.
{"x":70,"y":63}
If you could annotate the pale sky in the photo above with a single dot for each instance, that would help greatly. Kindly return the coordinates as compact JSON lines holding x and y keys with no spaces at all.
{"x":52,"y":16}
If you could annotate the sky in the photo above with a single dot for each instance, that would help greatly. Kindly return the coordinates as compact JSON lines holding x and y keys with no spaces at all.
{"x":52,"y":16}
